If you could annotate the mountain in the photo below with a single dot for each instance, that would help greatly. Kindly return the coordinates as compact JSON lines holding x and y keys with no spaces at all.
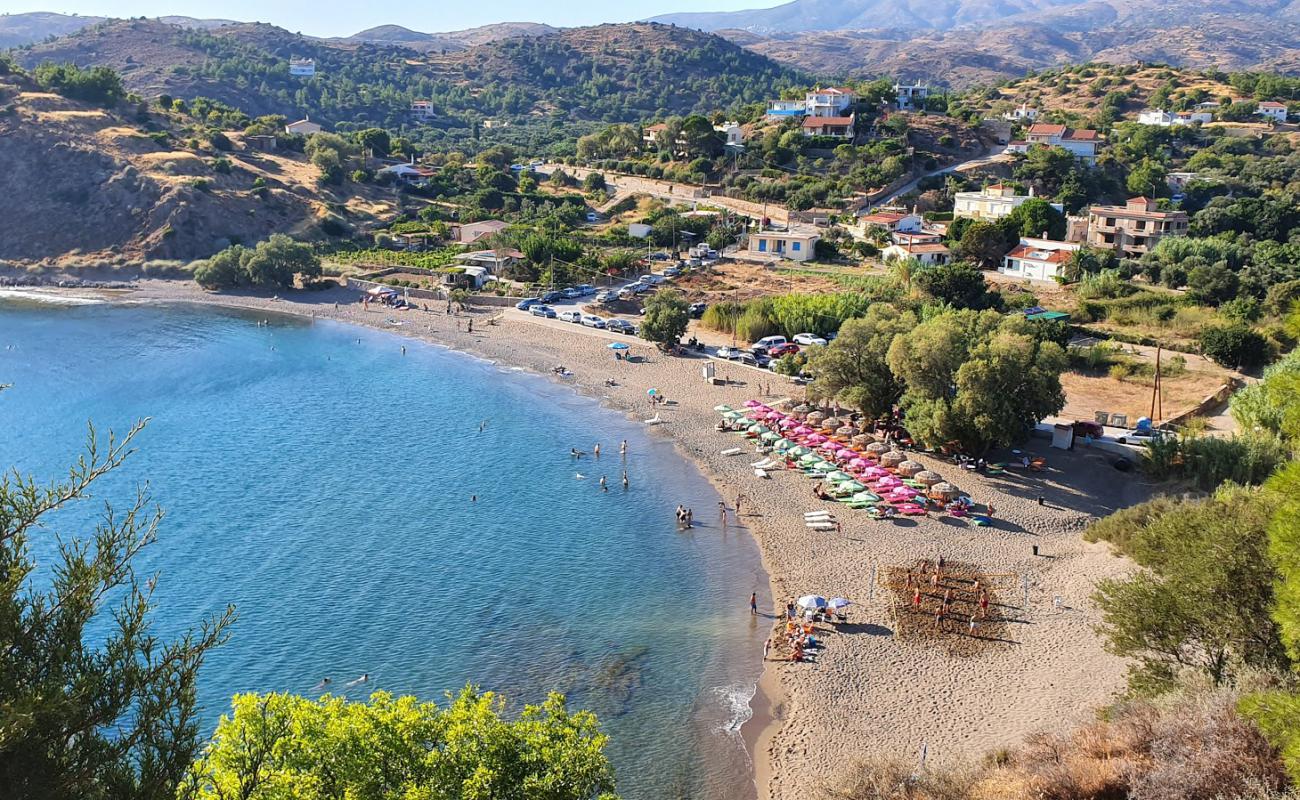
{"x":606,"y":73}
{"x":847,"y":15}
{"x":450,"y":41}
{"x":18,"y":30}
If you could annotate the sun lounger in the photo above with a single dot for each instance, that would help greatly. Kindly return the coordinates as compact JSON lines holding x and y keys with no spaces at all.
{"x":761,"y":473}
{"x":732,"y":451}
{"x":820,"y":526}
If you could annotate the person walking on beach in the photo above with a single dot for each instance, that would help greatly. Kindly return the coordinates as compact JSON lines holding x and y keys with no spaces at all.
{"x":972,"y":625}
{"x":767,"y":647}
{"x":753,"y":603}
{"x":984,"y":604}
{"x":722,"y":513}
{"x":916,"y":598}
{"x":690,"y":518}
{"x":739,"y":498}
{"x":470,"y":327}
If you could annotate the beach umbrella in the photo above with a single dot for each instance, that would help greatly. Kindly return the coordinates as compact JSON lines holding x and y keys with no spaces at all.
{"x":732,"y":415}
{"x":722,"y":409}
{"x":909,"y":468}
{"x":892,"y":459}
{"x":816,"y":438}
{"x":815,"y":417}
{"x":770,"y":437}
{"x":838,"y":476}
{"x":652,"y":392}
{"x":617,"y":346}
{"x":832,"y":422}
{"x":850,"y":486}
{"x":846,"y":431}
{"x":811,"y":601}
{"x":798,"y":451}
{"x":752,"y":404}
{"x":861,"y":440}
{"x":782,"y":444}
{"x":803,"y":408}
{"x":789,"y":423}
{"x":928,"y":477}
{"x":879,"y":448}
{"x":839,"y":602}
{"x":859,"y":463}
{"x":867,"y":497}
{"x":824,"y":466}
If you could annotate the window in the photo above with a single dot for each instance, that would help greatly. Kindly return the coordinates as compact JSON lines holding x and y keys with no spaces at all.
{"x":762,"y":245}
{"x":794,"y":246}
{"x":1110,"y":222}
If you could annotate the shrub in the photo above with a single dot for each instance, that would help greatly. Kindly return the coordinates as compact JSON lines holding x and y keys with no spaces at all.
{"x":1235,"y":346}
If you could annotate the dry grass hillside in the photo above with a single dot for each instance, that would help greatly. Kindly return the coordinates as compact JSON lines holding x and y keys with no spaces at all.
{"x":97,"y":187}
{"x":1080,"y":92}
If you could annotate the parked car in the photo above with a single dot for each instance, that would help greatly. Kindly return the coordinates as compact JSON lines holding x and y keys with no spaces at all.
{"x":1141,"y":436}
{"x":552,"y":297}
{"x":585,"y":289}
{"x":729,"y":352}
{"x":641,"y":288}
{"x":743,"y":356}
{"x":527,"y":303}
{"x":592,"y":216}
{"x":659,"y":256}
{"x":542,"y":311}
{"x":620,"y":326}
{"x":672,"y":272}
{"x":571,"y":316}
{"x":605,"y":296}
{"x":593,"y":321}
{"x":697,"y":310}
{"x":787,"y":349}
{"x":652,"y":280}
{"x":808,"y":339}
{"x":571,"y":292}
{"x":770,"y":341}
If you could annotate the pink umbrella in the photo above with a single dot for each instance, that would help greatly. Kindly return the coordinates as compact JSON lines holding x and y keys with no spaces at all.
{"x":763,"y":408}
{"x":752,"y":404}
{"x":874,"y":471}
{"x":802,"y":430}
{"x":816,"y":438}
{"x":775,"y":415}
{"x":788,"y":423}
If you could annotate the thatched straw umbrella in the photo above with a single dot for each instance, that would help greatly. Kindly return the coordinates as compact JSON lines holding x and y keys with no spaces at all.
{"x":815,"y":418}
{"x":846,"y":431}
{"x":892,"y":459}
{"x":877,"y":449}
{"x":942,"y":491}
{"x":832,"y":422}
{"x":928,"y":477}
{"x":909,"y":468}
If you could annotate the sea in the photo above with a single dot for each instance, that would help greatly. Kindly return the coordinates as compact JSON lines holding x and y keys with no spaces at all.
{"x":415,"y":516}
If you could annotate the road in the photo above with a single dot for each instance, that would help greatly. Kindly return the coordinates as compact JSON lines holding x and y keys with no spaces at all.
{"x":998,"y":156}
{"x":621,"y":186}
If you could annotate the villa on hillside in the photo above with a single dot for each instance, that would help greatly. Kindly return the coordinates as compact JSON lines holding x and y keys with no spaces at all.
{"x":892,"y":221}
{"x":422,"y":110}
{"x":303,"y":127}
{"x":832,"y":102}
{"x":1272,"y":110}
{"x":1080,"y":141}
{"x":928,"y":253}
{"x":733,"y":135}
{"x":1022,"y":114}
{"x":838,"y":127}
{"x":786,"y":108}
{"x":793,"y":244}
{"x":472,"y":232}
{"x":911,"y":96}
{"x":302,"y":67}
{"x":1037,"y":259}
{"x":494,"y":262}
{"x":1166,"y":119}
{"x":1133,"y":228}
{"x":409,"y":173}
{"x":991,"y":202}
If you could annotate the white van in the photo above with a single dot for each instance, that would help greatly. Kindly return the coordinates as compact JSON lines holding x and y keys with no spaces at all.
{"x":768,"y":342}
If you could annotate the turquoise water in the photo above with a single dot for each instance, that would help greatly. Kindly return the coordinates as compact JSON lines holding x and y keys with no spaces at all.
{"x":321,"y":481}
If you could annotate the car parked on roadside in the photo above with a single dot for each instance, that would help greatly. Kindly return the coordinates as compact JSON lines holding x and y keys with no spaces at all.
{"x":652,"y":280}
{"x":770,"y":342}
{"x":552,"y":297}
{"x":620,"y":326}
{"x":787,"y":349}
{"x":571,"y":292}
{"x":542,"y":311}
{"x":697,"y":310}
{"x":527,"y":303}
{"x":593,"y":321}
{"x":743,"y":356}
{"x":585,"y":289}
{"x":605,"y":296}
{"x":570,"y":316}
{"x":808,"y":339}
{"x":672,"y":272}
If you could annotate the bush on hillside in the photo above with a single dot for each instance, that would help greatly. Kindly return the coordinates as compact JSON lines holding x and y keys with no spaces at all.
{"x":1235,"y":346}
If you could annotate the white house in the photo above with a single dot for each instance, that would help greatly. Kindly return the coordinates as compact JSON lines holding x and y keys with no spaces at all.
{"x":1273,"y":110}
{"x":892,"y":221}
{"x":991,"y":202}
{"x":302,"y":67}
{"x":911,"y":96}
{"x":926,"y":253}
{"x":1177,"y":181}
{"x":409,"y":173}
{"x":1022,"y":114}
{"x":1037,"y":259}
{"x":732,"y":133}
{"x":303,"y":127}
{"x":422,"y":110}
{"x":787,"y":108}
{"x":474,"y":276}
{"x":472,"y":232}
{"x":1081,"y":141}
{"x":794,"y":245}
{"x":832,"y":102}
{"x":1165,"y":119}
{"x":490,"y":259}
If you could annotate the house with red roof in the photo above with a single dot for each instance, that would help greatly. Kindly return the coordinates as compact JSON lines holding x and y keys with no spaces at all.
{"x":1083,"y":142}
{"x":1272,"y":110}
{"x":838,"y":127}
{"x":1037,"y":259}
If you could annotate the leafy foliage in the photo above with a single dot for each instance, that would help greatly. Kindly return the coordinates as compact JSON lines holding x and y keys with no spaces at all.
{"x":273,"y":262}
{"x":99,"y":85}
{"x":853,"y":369}
{"x":666,"y":317}
{"x":280,"y":745}
{"x":92,"y":704}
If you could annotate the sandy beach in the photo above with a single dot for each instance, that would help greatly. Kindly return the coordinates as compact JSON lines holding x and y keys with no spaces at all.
{"x":871,"y":692}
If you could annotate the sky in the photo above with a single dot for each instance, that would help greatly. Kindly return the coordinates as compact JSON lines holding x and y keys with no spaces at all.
{"x":332,"y":18}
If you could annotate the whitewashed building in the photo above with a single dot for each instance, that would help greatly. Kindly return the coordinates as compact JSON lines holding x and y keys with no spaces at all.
{"x":1037,"y":259}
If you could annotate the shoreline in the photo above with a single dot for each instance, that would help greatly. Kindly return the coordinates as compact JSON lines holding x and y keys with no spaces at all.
{"x":870,"y":694}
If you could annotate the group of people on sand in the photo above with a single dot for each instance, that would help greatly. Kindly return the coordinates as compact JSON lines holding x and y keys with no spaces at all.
{"x":944,"y":610}
{"x":685,"y":517}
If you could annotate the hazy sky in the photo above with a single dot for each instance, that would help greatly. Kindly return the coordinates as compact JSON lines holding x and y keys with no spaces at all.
{"x":326,"y":18}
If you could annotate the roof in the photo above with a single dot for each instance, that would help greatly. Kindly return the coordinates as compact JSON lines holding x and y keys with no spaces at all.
{"x":1032,"y":253}
{"x":789,"y":234}
{"x":833,"y":90}
{"x":1048,"y":316}
{"x":1133,"y":210}
{"x":1272,"y":104}
{"x":479,"y":255}
{"x":1081,"y":134}
{"x":924,"y":249}
{"x":1047,"y":129}
{"x":486,"y":225}
{"x":883,"y":217}
{"x":818,"y":122}
{"x":661,"y":126}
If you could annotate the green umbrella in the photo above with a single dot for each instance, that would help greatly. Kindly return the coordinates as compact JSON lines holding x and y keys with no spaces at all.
{"x":825,"y":466}
{"x":838,"y":476}
{"x":733,"y":415}
{"x":798,"y":451}
{"x":769,"y":436}
{"x":757,"y":429}
{"x":851,"y":486}
{"x":783,"y":444}
{"x":722,"y":408}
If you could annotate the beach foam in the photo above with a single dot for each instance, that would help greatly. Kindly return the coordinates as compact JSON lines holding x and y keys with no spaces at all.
{"x":51,"y":298}
{"x":736,"y":699}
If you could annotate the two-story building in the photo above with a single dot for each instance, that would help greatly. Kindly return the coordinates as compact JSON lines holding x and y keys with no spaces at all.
{"x":892,"y":221}
{"x":991,"y":202}
{"x":911,"y":96}
{"x":928,"y":253}
{"x":787,"y":108}
{"x":1082,"y":142}
{"x":302,"y":67}
{"x":832,"y":102}
{"x":792,"y":244}
{"x":1022,"y":114}
{"x":733,"y":135}
{"x":1133,"y":228}
{"x":1272,"y":110}
{"x":1037,"y":259}
{"x":1167,"y":119}
{"x":422,"y":110}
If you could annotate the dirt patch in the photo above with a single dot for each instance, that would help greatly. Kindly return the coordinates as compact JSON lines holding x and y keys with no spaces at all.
{"x":736,"y":281}
{"x":1086,"y":394}
{"x":937,"y":606}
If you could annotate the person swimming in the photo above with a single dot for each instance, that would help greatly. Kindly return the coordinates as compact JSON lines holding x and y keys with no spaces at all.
{"x":365,"y":678}
{"x":579,"y":475}
{"x":324,"y":682}
{"x":575,"y":453}
{"x":603,"y":486}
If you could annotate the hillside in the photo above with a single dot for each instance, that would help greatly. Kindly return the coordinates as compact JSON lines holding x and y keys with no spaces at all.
{"x":18,"y":30}
{"x":450,"y":41}
{"x":842,"y":15}
{"x":603,"y":73}
{"x":101,"y":185}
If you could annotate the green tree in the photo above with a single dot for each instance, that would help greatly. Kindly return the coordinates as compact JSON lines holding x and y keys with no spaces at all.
{"x":1035,"y":216}
{"x":1269,"y":405}
{"x":959,"y":284}
{"x":1212,"y":284}
{"x":666,"y":317}
{"x":1148,"y":179}
{"x":222,"y":271}
{"x":99,"y":85}
{"x":278,"y":745}
{"x":376,"y":140}
{"x":1202,"y":604}
{"x":93,"y":705}
{"x":699,"y":138}
{"x":1235,"y":346}
{"x":594,"y":182}
{"x":853,"y":369}
{"x":985,"y":243}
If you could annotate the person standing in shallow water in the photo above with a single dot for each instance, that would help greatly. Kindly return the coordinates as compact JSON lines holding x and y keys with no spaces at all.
{"x":753,"y":603}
